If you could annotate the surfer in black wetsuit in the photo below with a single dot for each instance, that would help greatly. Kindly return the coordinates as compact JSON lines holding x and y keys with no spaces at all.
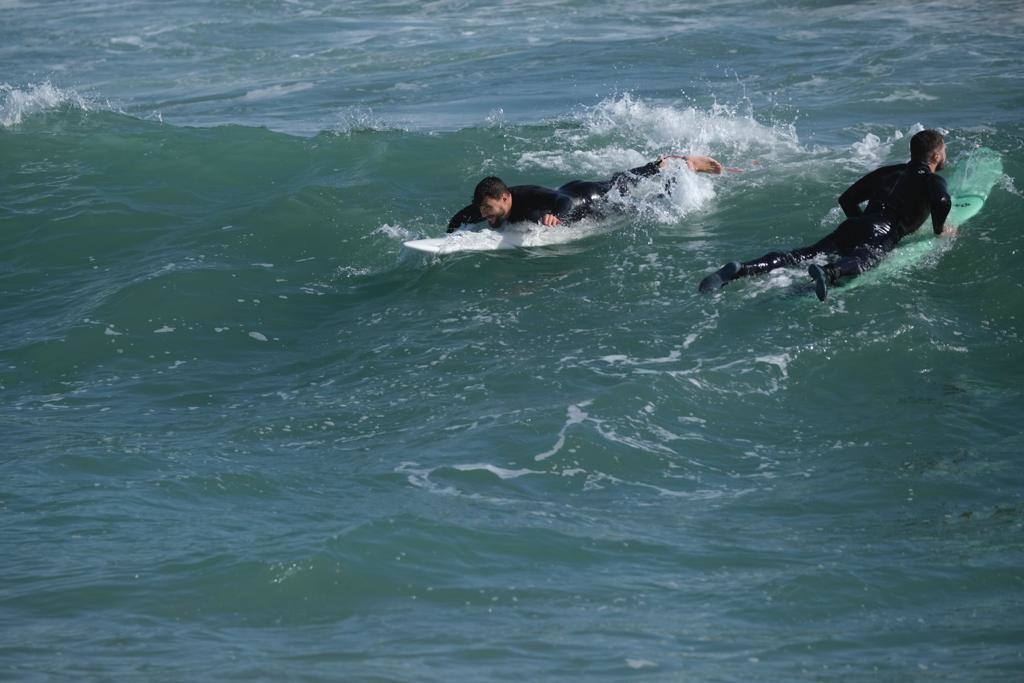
{"x":899,"y":197}
{"x":499,"y":204}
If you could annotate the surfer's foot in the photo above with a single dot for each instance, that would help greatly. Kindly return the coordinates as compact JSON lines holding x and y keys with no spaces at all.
{"x":718,"y":278}
{"x":823,"y":276}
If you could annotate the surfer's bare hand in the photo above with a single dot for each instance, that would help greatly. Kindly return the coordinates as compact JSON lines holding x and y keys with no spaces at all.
{"x":948,"y":231}
{"x":550,"y":220}
{"x":696,"y":163}
{"x":700,"y":164}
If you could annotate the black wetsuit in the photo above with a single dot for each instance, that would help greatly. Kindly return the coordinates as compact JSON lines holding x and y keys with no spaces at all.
{"x":899,"y":197}
{"x":570,"y":202}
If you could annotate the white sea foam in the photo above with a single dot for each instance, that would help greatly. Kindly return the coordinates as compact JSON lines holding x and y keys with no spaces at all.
{"x":665,"y":127}
{"x":598,"y":480}
{"x":575,"y":415}
{"x":832,"y":218}
{"x":395,"y":232}
{"x":403,"y":86}
{"x":869,"y":147}
{"x":781,"y":361}
{"x":420,"y":477}
{"x":814,"y":82}
{"x":634,"y":442}
{"x":906,"y":96}
{"x":277,"y":91}
{"x":352,"y":271}
{"x":16,"y":104}
{"x":771,"y":283}
{"x":690,"y":191}
{"x":500,"y":472}
{"x":672,"y":357}
{"x":131,"y":41}
{"x":640,"y":664}
{"x":1006,"y":183}
{"x":641,"y":132}
{"x":871,"y":150}
{"x":359,"y":119}
{"x":604,"y":161}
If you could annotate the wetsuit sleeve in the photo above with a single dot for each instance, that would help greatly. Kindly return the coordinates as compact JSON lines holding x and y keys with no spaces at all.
{"x":647,"y":170}
{"x":940,"y":201}
{"x":861,"y":191}
{"x":533,"y":202}
{"x":470,"y":214}
{"x":558,"y":204}
{"x":563,"y":207}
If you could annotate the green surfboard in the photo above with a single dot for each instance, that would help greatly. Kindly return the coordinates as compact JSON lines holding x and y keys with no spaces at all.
{"x":972,"y":180}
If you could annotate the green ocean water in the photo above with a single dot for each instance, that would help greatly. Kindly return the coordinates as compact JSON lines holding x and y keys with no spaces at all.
{"x":245,"y":436}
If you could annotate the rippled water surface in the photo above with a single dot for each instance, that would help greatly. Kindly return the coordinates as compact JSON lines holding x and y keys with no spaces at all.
{"x":245,"y":435}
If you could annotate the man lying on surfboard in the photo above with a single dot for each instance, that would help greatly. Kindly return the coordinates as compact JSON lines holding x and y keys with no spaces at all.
{"x":899,"y":197}
{"x":498,"y":203}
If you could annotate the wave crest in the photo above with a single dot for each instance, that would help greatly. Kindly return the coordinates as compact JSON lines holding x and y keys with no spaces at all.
{"x":623,"y":132}
{"x":17,"y":104}
{"x":663,"y":127}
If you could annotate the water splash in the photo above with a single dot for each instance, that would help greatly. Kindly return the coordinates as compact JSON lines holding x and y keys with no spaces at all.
{"x":16,"y":104}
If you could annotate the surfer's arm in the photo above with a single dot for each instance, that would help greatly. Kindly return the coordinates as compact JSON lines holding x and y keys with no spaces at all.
{"x":857,"y":194}
{"x":941,"y":204}
{"x":695,"y":162}
{"x":862,"y":190}
{"x":561,"y":213}
{"x":563,"y":207}
{"x":470,"y":214}
{"x":545,"y":206}
{"x":654,"y":167}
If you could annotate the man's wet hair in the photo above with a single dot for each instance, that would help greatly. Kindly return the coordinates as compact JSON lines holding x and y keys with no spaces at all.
{"x":925,"y":143}
{"x":490,"y":187}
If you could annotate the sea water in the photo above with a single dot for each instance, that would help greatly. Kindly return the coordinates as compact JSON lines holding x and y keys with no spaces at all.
{"x":245,"y":436}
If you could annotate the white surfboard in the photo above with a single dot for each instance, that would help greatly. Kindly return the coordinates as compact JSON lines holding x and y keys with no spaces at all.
{"x":513,"y":237}
{"x":466,"y":240}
